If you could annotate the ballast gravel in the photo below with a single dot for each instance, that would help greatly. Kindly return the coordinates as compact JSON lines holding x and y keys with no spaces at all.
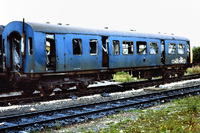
{"x":20,"y":109}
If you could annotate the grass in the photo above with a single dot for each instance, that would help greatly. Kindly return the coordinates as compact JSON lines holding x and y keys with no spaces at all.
{"x":182,"y":117}
{"x":123,"y":77}
{"x":193,"y":70}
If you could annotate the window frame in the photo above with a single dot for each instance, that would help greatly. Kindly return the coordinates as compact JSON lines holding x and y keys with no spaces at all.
{"x":97,"y":48}
{"x":131,"y":43}
{"x":182,"y":48}
{"x":141,"y":43}
{"x":30,"y":46}
{"x":113,"y":51}
{"x":170,"y":53}
{"x":157,"y":49}
{"x":81,"y":47}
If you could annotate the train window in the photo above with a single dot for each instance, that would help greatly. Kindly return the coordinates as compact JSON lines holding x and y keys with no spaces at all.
{"x":30,"y":46}
{"x":93,"y":47}
{"x":153,"y":48}
{"x":172,"y":48}
{"x":116,"y":47}
{"x":77,"y":46}
{"x":181,"y":48}
{"x":128,"y":47}
{"x":142,"y":48}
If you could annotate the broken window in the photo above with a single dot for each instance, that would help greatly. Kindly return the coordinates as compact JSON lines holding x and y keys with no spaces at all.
{"x":30,"y":46}
{"x":181,"y":48}
{"x":13,"y":41}
{"x":115,"y":47}
{"x":77,"y":46}
{"x":172,"y":48}
{"x":153,"y":48}
{"x":128,"y":47}
{"x":142,"y":48}
{"x":93,"y":47}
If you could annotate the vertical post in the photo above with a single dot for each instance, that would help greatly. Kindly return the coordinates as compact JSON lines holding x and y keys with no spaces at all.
{"x":23,"y":39}
{"x":23,"y":45}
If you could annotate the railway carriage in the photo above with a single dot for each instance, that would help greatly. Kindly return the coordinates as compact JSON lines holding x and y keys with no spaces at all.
{"x":45,"y":56}
{"x":1,"y":30}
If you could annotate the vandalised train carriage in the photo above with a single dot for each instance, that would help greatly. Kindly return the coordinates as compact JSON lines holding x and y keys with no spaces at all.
{"x":45,"y":56}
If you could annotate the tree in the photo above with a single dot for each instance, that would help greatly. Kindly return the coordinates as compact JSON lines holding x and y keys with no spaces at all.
{"x":196,"y":55}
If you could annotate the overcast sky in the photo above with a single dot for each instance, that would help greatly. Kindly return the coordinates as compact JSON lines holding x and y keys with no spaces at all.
{"x":181,"y":17}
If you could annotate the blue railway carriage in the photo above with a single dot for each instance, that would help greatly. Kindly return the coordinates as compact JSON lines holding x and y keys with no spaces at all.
{"x":1,"y":31}
{"x":45,"y":56}
{"x":2,"y":56}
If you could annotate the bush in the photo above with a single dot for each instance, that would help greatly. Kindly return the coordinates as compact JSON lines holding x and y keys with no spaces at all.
{"x":196,"y":55}
{"x":122,"y":77}
{"x":193,"y":70}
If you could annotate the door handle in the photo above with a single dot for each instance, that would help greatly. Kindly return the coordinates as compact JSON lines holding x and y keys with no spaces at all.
{"x":144,"y":59}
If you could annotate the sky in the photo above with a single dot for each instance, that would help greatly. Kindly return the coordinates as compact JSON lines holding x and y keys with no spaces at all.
{"x":180,"y":17}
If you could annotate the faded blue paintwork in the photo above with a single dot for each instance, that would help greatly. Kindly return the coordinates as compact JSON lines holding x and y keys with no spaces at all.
{"x":171,"y":57}
{"x":66,"y":61}
{"x":6,"y":32}
{"x":39,"y":52}
{"x":60,"y":51}
{"x":64,"y":29}
{"x":84,"y":61}
{"x":134,"y":60}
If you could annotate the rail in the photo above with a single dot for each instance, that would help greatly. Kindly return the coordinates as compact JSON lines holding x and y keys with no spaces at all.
{"x":37,"y":120}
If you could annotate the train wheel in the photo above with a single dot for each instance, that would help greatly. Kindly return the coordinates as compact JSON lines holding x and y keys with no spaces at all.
{"x":166,"y":76}
{"x":149,"y":79}
{"x":180,"y":74}
{"x":81,"y":87}
{"x":26,"y":89}
{"x":28,"y":92}
{"x":45,"y":91}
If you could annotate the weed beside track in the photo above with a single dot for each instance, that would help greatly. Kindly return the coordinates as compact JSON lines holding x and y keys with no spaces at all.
{"x":180,"y":115}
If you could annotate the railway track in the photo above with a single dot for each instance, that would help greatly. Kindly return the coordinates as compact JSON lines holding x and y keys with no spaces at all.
{"x":21,"y":99}
{"x":50,"y":118}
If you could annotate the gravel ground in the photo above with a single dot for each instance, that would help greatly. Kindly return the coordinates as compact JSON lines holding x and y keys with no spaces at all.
{"x":99,"y":123}
{"x":102,"y":123}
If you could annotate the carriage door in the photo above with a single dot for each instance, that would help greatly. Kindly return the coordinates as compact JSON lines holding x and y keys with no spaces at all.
{"x":14,"y":40}
{"x":105,"y":51}
{"x":50,"y":53}
{"x":60,"y":52}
